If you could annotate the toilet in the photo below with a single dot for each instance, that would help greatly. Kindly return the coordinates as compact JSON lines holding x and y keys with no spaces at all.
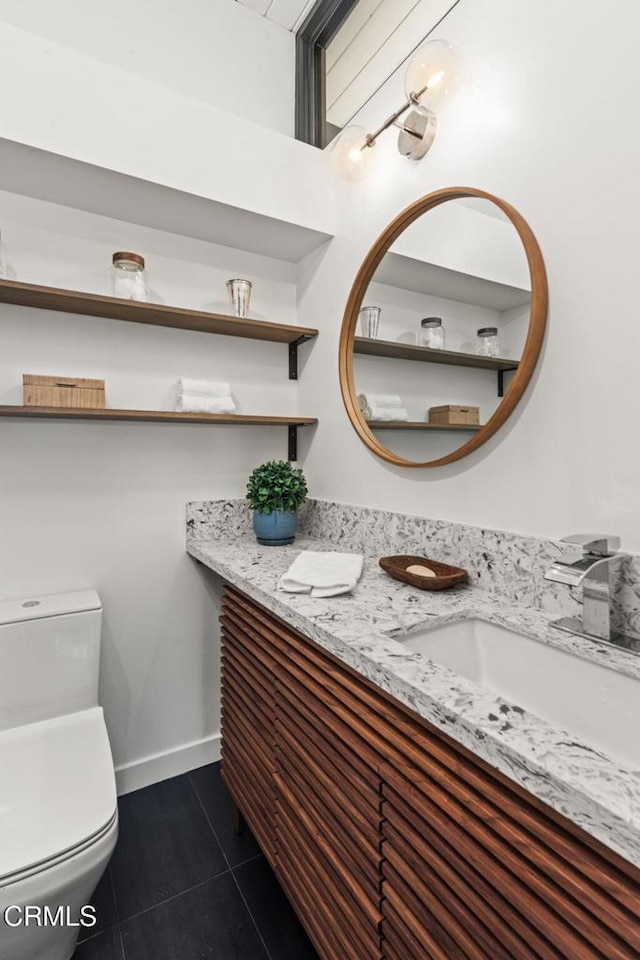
{"x":58,"y":808}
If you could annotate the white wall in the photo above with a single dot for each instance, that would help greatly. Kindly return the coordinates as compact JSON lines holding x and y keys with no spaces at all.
{"x":544,"y":123}
{"x":215,"y":51}
{"x":103,"y":504}
{"x":71,"y":104}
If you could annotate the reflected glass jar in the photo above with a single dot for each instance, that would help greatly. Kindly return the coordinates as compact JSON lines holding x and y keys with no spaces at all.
{"x":432,"y":333}
{"x":369,"y":321}
{"x":129,"y":277}
{"x":488,"y":342}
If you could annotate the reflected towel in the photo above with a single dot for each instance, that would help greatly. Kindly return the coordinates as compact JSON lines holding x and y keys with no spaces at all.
{"x":374,"y":412}
{"x":190,"y":403}
{"x":386,"y":413}
{"x":322,"y":574}
{"x":205,"y":388}
{"x":379,"y":400}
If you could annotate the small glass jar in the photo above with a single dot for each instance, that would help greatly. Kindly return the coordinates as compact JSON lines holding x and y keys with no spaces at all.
{"x":432,"y":333}
{"x":488,"y":342}
{"x":129,"y":277}
{"x":239,"y":292}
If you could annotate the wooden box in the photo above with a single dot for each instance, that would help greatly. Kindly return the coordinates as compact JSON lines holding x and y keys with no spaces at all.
{"x":62,"y":392}
{"x":454,"y":415}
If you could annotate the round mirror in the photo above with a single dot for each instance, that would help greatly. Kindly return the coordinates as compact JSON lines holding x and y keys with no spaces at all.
{"x":443,"y":328}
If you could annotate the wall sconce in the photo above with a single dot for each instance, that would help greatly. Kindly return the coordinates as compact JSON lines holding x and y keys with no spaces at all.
{"x":431,"y":81}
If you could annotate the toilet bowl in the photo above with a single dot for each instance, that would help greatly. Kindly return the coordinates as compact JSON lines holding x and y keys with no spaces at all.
{"x":58,"y":807}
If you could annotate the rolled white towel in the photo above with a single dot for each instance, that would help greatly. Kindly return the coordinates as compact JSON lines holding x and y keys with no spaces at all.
{"x":189,"y":403}
{"x":379,"y":400}
{"x":386,"y":413}
{"x":204,"y":388}
{"x":322,"y":574}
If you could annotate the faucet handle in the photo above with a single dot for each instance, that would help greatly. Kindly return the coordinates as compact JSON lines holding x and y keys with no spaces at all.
{"x":597,"y":544}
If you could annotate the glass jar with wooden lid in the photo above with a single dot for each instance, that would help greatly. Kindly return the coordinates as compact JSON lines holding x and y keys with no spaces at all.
{"x":129,"y":277}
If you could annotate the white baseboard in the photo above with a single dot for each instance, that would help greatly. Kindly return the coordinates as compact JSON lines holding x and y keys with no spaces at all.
{"x":170,"y":763}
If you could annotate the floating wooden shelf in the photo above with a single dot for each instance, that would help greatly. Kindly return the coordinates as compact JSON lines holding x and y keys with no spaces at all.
{"x":113,"y":308}
{"x":153,"y":416}
{"x":167,"y":416}
{"x":421,"y":425}
{"x":132,"y":311}
{"x":410,"y":351}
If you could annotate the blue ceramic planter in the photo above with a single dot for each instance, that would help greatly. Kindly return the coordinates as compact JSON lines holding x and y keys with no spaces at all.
{"x":275,"y":529}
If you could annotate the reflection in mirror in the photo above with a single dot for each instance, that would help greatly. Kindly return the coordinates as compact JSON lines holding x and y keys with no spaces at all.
{"x":459,"y":269}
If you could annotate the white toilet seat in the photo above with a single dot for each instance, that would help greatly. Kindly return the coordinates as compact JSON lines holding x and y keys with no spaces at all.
{"x":57,"y":795}
{"x":37,"y":868}
{"x":69,"y":882}
{"x":58,"y":826}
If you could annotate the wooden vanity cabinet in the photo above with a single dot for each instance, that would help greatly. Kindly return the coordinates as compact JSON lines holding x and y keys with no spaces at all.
{"x":391,"y":840}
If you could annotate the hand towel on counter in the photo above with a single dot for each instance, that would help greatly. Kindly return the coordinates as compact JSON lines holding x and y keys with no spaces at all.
{"x":206,"y":388}
{"x":322,"y":574}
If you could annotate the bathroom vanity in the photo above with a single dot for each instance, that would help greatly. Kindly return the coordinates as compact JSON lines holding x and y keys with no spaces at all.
{"x":407,"y":812}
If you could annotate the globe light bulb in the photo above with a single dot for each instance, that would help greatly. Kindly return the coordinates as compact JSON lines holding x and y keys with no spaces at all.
{"x":350,"y":156}
{"x":433,"y":76}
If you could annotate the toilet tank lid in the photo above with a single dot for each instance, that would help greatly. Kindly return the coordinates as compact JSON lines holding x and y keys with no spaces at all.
{"x":55,"y":605}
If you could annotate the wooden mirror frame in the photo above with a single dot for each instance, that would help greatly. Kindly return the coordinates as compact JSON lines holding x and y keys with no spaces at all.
{"x":530,"y":354}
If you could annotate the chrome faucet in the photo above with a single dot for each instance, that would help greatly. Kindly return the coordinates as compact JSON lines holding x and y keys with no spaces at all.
{"x":593,"y":572}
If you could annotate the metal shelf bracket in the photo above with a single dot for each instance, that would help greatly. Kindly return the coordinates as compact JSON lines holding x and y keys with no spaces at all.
{"x":501,"y":374}
{"x":292,"y":453}
{"x":293,"y":356}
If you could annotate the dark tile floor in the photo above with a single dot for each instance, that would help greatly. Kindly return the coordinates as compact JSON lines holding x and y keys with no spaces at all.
{"x":182,"y":886}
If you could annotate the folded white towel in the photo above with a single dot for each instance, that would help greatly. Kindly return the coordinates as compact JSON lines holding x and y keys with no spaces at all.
{"x":386,"y":413}
{"x":206,"y":388}
{"x":379,"y":400}
{"x":191,"y":403}
{"x":322,"y":574}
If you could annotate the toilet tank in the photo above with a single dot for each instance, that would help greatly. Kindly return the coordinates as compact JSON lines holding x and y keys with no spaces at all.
{"x":49,"y":656}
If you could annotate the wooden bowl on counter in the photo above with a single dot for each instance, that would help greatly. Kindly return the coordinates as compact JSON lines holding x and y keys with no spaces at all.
{"x":445,"y":575}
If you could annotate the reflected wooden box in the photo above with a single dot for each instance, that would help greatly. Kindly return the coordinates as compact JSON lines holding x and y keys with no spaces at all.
{"x":454,"y":415}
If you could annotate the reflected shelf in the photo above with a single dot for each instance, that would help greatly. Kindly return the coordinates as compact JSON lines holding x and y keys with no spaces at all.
{"x":411,"y":351}
{"x":422,"y":425}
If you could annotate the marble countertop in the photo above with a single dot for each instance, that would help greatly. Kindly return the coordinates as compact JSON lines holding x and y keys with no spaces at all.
{"x":576,"y":779}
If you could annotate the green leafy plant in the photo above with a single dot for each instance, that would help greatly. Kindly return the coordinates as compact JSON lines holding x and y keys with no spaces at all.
{"x":276,"y":485}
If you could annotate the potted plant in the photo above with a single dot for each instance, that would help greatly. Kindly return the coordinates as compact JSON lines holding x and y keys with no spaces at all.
{"x":275,"y":491}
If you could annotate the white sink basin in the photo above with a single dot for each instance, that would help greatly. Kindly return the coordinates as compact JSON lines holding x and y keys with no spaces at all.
{"x":592,"y":702}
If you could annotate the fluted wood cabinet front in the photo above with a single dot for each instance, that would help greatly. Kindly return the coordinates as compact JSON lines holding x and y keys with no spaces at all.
{"x":391,"y":840}
{"x":248,"y":712}
{"x":310,"y":773}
